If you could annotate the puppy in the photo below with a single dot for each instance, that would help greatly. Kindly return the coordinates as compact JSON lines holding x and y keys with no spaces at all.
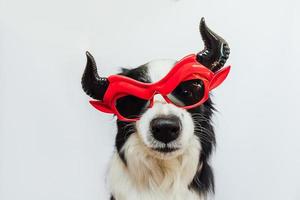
{"x":164,"y":141}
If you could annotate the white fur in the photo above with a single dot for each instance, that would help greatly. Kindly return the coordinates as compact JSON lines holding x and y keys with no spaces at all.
{"x":149,"y":178}
{"x":149,"y":174}
{"x":161,"y":108}
{"x":159,"y":68}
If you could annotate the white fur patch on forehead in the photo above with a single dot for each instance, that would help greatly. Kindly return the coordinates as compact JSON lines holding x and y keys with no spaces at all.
{"x":157,"y":69}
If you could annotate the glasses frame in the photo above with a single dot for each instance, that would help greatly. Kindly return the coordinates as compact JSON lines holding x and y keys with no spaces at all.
{"x":186,"y":69}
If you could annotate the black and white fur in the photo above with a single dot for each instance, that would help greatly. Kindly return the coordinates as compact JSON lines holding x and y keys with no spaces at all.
{"x":143,"y":167}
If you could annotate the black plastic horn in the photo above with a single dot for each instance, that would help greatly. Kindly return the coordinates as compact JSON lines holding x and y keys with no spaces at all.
{"x":92,"y":84}
{"x":216,"y":50}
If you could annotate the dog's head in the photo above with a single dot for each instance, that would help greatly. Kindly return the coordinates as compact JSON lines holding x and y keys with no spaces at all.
{"x":166,"y":130}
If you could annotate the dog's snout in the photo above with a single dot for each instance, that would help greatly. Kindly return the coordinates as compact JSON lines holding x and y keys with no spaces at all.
{"x":165,"y":128}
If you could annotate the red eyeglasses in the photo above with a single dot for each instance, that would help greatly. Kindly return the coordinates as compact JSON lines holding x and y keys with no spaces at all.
{"x":187,"y":85}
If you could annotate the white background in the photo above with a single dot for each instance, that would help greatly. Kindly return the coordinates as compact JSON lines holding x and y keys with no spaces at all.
{"x":54,"y":145}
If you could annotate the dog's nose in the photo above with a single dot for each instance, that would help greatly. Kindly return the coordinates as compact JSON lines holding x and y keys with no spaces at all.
{"x":165,"y":128}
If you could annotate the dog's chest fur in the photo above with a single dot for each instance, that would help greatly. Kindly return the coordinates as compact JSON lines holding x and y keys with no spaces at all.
{"x":147,"y":178}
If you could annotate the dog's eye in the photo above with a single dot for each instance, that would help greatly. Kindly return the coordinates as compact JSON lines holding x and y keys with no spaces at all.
{"x":191,"y":89}
{"x":187,"y":93}
{"x":130,"y":106}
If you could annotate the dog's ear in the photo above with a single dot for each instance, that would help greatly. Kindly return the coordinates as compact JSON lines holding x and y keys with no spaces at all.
{"x":124,"y":71}
{"x":101,"y":106}
{"x":219,"y":77}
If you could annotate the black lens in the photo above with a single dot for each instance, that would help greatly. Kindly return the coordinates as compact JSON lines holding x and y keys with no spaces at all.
{"x":131,"y":106}
{"x":187,"y":93}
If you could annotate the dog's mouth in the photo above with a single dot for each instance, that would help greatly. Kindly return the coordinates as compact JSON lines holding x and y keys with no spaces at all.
{"x":165,"y":149}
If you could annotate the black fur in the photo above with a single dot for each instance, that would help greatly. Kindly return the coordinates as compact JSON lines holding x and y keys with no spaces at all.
{"x":125,"y":129}
{"x":140,"y":73}
{"x":203,"y":181}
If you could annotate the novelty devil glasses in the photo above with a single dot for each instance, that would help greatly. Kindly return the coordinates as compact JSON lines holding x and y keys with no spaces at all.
{"x":187,"y":85}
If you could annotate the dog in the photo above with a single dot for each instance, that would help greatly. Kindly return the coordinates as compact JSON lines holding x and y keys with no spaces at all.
{"x":164,"y":154}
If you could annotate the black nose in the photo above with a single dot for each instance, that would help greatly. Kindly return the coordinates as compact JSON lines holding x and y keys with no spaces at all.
{"x":165,"y":128}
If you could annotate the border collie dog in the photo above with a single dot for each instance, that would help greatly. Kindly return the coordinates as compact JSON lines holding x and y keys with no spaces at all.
{"x":164,"y":155}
